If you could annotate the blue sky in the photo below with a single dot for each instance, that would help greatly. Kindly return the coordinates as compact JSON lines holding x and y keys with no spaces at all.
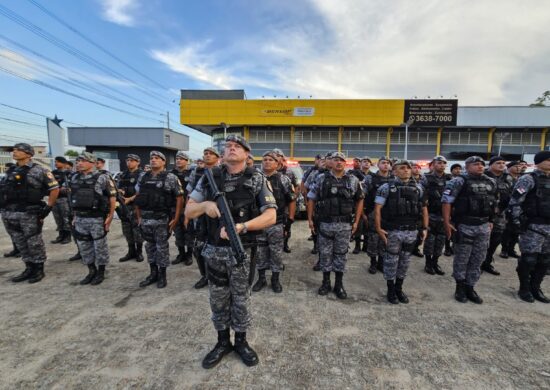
{"x":484,"y":52}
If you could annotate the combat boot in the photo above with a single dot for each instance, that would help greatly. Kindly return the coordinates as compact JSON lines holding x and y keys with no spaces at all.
{"x":25,"y":274}
{"x":325,"y":286}
{"x":416,"y":252}
{"x":524,"y":276}
{"x":139,"y":253}
{"x":275,"y":284}
{"x":66,"y":237}
{"x":536,"y":280}
{"x":261,"y":282}
{"x":391,"y":296}
{"x":373,"y":267}
{"x":365,"y":244}
{"x":429,"y":265}
{"x":161,"y":282}
{"x":92,"y":270}
{"x":58,"y":239}
{"x":14,"y":253}
{"x":245,"y":351}
{"x":317,"y":266}
{"x":179,"y":257}
{"x":460,"y":292}
{"x":357,"y":248}
{"x":202,"y":282}
{"x":504,"y":253}
{"x":380,"y":264}
{"x":286,"y":249}
{"x":403,"y":298}
{"x":512,"y":253}
{"x":436,"y":266}
{"x":222,"y":348}
{"x":339,"y":286}
{"x":130,"y":255}
{"x":76,"y":257}
{"x":315,"y":250}
{"x":188,"y":257}
{"x":99,"y":276}
{"x":153,"y":276}
{"x":472,"y":295}
{"x":487,"y":266}
{"x":38,"y":273}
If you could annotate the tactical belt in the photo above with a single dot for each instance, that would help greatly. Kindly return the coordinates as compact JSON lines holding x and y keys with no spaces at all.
{"x":86,"y":237}
{"x":342,"y":219}
{"x":391,"y":226}
{"x":473,"y":221}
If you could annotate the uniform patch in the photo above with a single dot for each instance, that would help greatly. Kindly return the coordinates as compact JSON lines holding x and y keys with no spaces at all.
{"x":521,"y":190}
{"x":269,"y":186}
{"x":50,"y":175}
{"x":270,"y":199}
{"x":447,"y":192}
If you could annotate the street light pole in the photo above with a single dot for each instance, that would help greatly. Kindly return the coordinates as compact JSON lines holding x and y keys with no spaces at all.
{"x":500,"y":143}
{"x":407,"y":124}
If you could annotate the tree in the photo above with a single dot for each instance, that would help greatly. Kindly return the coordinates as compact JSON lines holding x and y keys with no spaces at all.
{"x":71,"y":153}
{"x":541,"y":100}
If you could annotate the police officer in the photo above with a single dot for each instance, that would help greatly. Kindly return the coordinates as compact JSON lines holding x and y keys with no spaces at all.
{"x":375,"y":247}
{"x":14,"y":252}
{"x":93,"y":204}
{"x":61,"y":210}
{"x":399,"y":205}
{"x":100,"y":165}
{"x":505,"y":184}
{"x":530,"y":207}
{"x":510,"y":236}
{"x":184,"y":237}
{"x":324,"y":164}
{"x":271,"y":241}
{"x":434,"y":184}
{"x":456,"y":170}
{"x":417,"y":176}
{"x":253,"y":208}
{"x":335,"y":197}
{"x":473,"y":198}
{"x":210,"y":159}
{"x":158,"y":192}
{"x":362,"y":230}
{"x":126,"y":186}
{"x":23,"y":211}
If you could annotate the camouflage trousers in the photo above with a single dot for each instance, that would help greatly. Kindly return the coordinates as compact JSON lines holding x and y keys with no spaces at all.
{"x":270,"y":249}
{"x":375,"y":245}
{"x":184,"y":236}
{"x":130,"y":228}
{"x":333,"y":245}
{"x":536,"y":239}
{"x":470,"y":248}
{"x":229,"y":289}
{"x":62,"y":214}
{"x":155,"y":233}
{"x":26,"y":234}
{"x":93,"y":249}
{"x":397,"y":256}
{"x":435,"y":242}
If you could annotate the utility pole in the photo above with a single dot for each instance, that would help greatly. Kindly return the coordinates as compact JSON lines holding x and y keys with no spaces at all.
{"x":168,"y":118}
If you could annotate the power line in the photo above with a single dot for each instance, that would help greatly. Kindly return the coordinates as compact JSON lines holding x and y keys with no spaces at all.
{"x":16,"y":121}
{"x":80,"y":34}
{"x":35,"y":113}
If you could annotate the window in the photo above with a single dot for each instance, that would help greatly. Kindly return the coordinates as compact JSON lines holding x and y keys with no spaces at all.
{"x":268,"y":135}
{"x":415,"y":137}
{"x":526,"y":138}
{"x":465,"y":138}
{"x":364,"y":137}
{"x":166,"y":139}
{"x":320,"y":136}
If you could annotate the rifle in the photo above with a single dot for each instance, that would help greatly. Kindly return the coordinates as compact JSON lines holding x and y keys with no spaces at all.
{"x":226,"y":219}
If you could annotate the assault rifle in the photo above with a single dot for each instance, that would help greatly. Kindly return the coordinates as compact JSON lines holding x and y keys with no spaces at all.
{"x":226,"y":218}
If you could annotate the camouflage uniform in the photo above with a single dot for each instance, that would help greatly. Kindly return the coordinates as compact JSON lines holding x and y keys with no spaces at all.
{"x":197,"y":229}
{"x":308,"y":184}
{"x":127,"y":182}
{"x":184,"y":236}
{"x":530,"y":204}
{"x":61,"y":210}
{"x":375,"y":245}
{"x":287,"y":225}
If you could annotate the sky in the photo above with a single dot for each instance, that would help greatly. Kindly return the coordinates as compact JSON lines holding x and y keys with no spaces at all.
{"x":124,"y":62}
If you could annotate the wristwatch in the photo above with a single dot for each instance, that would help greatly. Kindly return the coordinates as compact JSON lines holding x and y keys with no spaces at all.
{"x":245,"y":228}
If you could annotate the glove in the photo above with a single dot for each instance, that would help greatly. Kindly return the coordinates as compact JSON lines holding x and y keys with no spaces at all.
{"x":45,"y":212}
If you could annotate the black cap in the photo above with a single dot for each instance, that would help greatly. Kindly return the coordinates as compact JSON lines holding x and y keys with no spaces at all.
{"x":100,"y":159}
{"x":494,"y":159}
{"x":23,"y":147}
{"x":456,"y":165}
{"x":238,"y":139}
{"x":542,"y":156}
{"x":61,"y":159}
{"x":474,"y":159}
{"x":512,"y":163}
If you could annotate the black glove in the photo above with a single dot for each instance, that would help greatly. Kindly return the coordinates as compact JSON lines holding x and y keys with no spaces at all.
{"x":45,"y":212}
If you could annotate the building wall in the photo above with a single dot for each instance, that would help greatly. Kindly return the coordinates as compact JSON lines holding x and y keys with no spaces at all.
{"x":120,"y":153}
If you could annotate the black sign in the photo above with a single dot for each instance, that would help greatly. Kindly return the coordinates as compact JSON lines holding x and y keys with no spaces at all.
{"x":431,"y":112}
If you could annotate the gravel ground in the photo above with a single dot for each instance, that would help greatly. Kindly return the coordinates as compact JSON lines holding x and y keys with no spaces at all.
{"x":58,"y":334}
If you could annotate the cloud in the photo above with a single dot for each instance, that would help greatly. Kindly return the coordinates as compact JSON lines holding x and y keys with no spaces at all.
{"x":17,"y":63}
{"x":120,"y":11}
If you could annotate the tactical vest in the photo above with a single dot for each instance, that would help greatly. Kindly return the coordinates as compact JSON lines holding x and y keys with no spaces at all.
{"x":61,"y":177}
{"x":537,"y":202}
{"x":278,"y":194}
{"x":505,"y":186}
{"x":434,"y":190}
{"x":153,"y":196}
{"x":403,"y":207}
{"x":358,"y":173}
{"x":85,"y":200}
{"x":336,"y":202}
{"x":240,"y":196}
{"x":377,"y":182}
{"x":183,"y":177}
{"x":15,"y":189}
{"x":476,"y":202}
{"x":127,"y":182}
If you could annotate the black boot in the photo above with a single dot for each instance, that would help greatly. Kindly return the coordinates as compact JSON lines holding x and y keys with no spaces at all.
{"x":202,"y":282}
{"x":472,"y":295}
{"x":317,"y":266}
{"x":325,"y":286}
{"x":429,"y":265}
{"x":314,"y":251}
{"x":504,"y":253}
{"x":99,"y":276}
{"x":286,"y":249}
{"x":222,"y":348}
{"x":391,"y":296}
{"x":436,"y":266}
{"x":512,"y":253}
{"x":139,"y":253}
{"x":130,"y":255}
{"x":339,"y":286}
{"x":460,"y":292}
{"x":357,"y":248}
{"x":399,"y":291}
{"x":524,"y":276}
{"x":153,"y":276}
{"x":261,"y":282}
{"x":275,"y":284}
{"x":247,"y":354}
{"x":188,"y":257}
{"x":537,"y":276}
{"x":181,"y":254}
{"x":380,"y":264}
{"x":161,"y":282}
{"x":25,"y":274}
{"x":416,"y":252}
{"x":58,"y":239}
{"x":365,"y":244}
{"x":92,"y":270}
{"x":373,"y":266}
{"x":66,"y":237}
{"x":76,"y":257}
{"x":487,"y":266}
{"x":13,"y":253}
{"x":38,"y":273}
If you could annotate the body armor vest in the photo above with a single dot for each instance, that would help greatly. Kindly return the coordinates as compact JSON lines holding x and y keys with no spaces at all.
{"x":434,"y":190}
{"x":336,"y":201}
{"x":127,"y":182}
{"x":153,"y":196}
{"x":505,"y":185}
{"x":476,"y":202}
{"x":183,"y":177}
{"x":15,"y":189}
{"x":537,"y":202}
{"x":278,"y":194}
{"x":403,"y":207}
{"x":85,"y":201}
{"x":61,"y":178}
{"x":240,"y":196}
{"x":377,"y":182}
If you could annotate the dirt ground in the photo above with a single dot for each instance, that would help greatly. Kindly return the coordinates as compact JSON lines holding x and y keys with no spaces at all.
{"x":58,"y":334}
